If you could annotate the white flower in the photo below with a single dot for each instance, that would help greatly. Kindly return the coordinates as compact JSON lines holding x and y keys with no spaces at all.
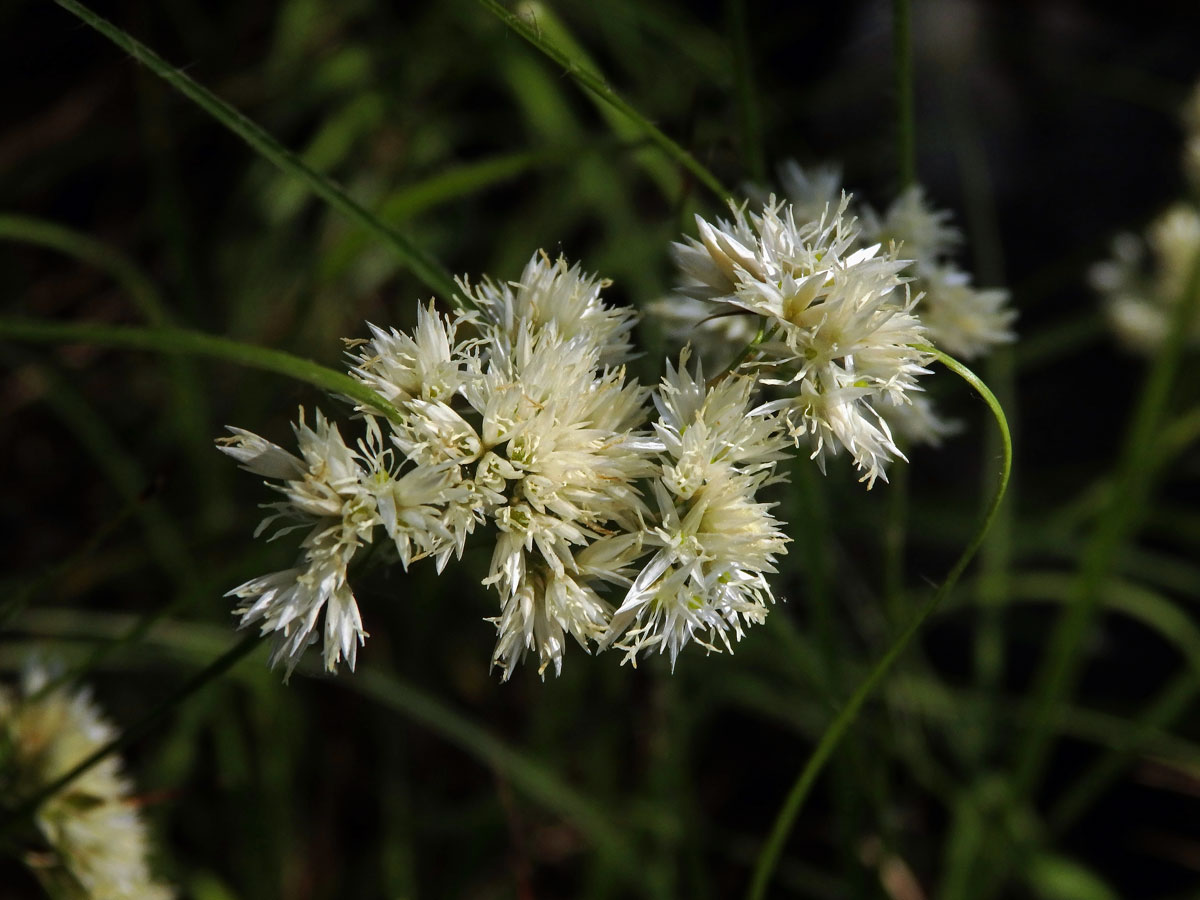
{"x":713,"y":541}
{"x":710,"y":268}
{"x":925,"y":233}
{"x":556,"y":296}
{"x":840,"y":333}
{"x":708,"y":431}
{"x":962,"y":320}
{"x":98,"y":840}
{"x":561,"y":459}
{"x":1140,"y":292}
{"x":432,"y":364}
{"x":325,"y":493}
{"x":706,"y":579}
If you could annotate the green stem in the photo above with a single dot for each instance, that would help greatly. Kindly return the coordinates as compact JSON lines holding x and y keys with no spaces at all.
{"x":906,"y":140}
{"x":1062,"y":662}
{"x":743,"y":73}
{"x":597,"y":86}
{"x":180,"y":340}
{"x":424,"y":266}
{"x":895,"y":535}
{"x":768,"y":856}
{"x":995,"y":556}
{"x":209,"y":673}
{"x":759,"y":337}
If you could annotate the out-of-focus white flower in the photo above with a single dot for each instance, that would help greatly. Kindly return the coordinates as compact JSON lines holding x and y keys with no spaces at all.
{"x":1140,"y":289}
{"x":925,"y":233}
{"x":811,"y":191}
{"x":962,"y":320}
{"x":98,"y":841}
{"x":712,"y":540}
{"x":915,"y":421}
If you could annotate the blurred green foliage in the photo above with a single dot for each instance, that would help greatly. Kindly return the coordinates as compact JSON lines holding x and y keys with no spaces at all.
{"x":420,"y":775}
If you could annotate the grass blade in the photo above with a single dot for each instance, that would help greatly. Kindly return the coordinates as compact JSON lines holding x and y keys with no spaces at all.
{"x":424,"y":266}
{"x":597,"y":86}
{"x":197,"y":343}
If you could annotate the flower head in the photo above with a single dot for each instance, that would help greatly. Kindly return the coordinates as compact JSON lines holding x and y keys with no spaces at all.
{"x":556,"y":296}
{"x":713,"y":542}
{"x":840,"y":330}
{"x":324,"y":493}
{"x":562,"y":458}
{"x":98,"y":841}
{"x":1140,"y":288}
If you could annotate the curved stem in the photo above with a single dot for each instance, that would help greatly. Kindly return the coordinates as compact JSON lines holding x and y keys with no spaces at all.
{"x":768,"y":856}
{"x":181,"y":340}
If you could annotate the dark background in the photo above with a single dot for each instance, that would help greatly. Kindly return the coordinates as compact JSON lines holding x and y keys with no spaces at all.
{"x":1046,"y":126}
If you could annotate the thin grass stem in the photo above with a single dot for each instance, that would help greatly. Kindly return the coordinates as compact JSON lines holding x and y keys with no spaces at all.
{"x":1062,"y":661}
{"x":29,"y":805}
{"x":597,"y":86}
{"x":421,"y":263}
{"x":180,"y":340}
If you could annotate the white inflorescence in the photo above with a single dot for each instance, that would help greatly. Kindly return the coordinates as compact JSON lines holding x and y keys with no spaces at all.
{"x":843,"y":305}
{"x":839,"y":334}
{"x":1140,"y":288}
{"x":713,"y":541}
{"x":97,"y":839}
{"x":517,"y":418}
{"x":610,"y":527}
{"x":1146,"y":278}
{"x":960,"y":319}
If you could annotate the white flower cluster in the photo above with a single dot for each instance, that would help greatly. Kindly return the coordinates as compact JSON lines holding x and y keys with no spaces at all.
{"x":1146,"y":277}
{"x":964,"y":321}
{"x":97,"y":841}
{"x":713,"y":540}
{"x":1138,"y":292}
{"x":518,"y":420}
{"x":837,"y":323}
{"x":836,"y":304}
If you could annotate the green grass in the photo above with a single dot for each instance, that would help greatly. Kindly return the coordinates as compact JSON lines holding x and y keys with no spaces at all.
{"x":226,"y":195}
